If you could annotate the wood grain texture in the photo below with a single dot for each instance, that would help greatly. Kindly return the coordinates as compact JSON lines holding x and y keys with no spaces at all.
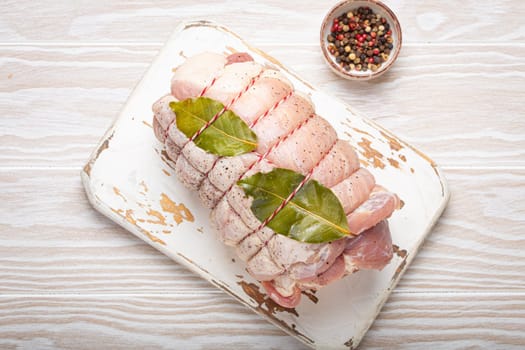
{"x":176,"y":322}
{"x":69,"y":278}
{"x":45,"y":248}
{"x":173,"y":321}
{"x":475,"y":21}
{"x":453,"y":113}
{"x":447,"y":321}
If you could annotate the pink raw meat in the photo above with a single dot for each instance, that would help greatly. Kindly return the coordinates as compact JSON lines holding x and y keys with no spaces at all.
{"x":290,"y":135}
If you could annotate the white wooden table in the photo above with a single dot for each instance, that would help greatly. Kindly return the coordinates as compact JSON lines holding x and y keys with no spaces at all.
{"x":69,"y":278}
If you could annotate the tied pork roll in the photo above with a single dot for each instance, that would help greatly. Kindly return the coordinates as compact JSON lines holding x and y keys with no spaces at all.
{"x":290,"y":135}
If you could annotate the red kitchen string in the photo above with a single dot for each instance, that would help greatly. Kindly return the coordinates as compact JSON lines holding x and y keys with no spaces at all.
{"x":286,"y":201}
{"x":294,"y":192}
{"x":265,"y":154}
{"x":224,"y":109}
{"x":218,"y":114}
{"x":208,"y":86}
{"x":271,"y":109}
{"x":200,"y":95}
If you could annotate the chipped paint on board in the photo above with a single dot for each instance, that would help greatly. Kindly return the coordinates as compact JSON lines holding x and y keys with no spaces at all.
{"x":253,"y":291}
{"x":371,"y":153}
{"x":128,"y":216}
{"x":179,"y":211}
{"x":311,"y":295}
{"x":160,"y":219}
{"x":362,"y":132}
{"x":271,"y":316}
{"x":119,"y":194}
{"x":393,"y":162}
{"x":402,"y":253}
{"x":392,"y":141}
{"x":103,"y":146}
{"x":166,"y":159}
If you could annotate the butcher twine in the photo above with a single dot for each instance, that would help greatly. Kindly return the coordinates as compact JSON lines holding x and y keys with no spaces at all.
{"x":217,"y":115}
{"x":262,"y":156}
{"x":271,"y":109}
{"x":294,"y":192}
{"x":265,"y":154}
{"x":224,"y":109}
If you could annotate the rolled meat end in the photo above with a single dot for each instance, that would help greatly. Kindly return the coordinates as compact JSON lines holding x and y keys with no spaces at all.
{"x":379,"y":206}
{"x":370,"y":250}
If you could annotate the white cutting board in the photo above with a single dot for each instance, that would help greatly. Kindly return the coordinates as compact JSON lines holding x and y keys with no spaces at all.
{"x":129,"y":179}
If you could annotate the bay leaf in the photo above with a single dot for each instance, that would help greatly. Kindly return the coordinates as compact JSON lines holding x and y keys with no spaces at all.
{"x":229,"y":135}
{"x":314,"y":215}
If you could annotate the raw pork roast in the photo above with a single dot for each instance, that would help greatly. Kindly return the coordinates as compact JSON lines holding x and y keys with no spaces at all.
{"x":290,"y":135}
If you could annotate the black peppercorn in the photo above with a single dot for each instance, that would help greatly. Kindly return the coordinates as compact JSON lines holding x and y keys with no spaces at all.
{"x":360,"y":40}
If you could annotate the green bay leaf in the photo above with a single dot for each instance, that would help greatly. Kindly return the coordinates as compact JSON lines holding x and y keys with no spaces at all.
{"x":314,"y":215}
{"x":229,"y":135}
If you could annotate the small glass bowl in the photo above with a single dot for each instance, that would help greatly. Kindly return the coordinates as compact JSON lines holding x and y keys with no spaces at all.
{"x":378,"y":8}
